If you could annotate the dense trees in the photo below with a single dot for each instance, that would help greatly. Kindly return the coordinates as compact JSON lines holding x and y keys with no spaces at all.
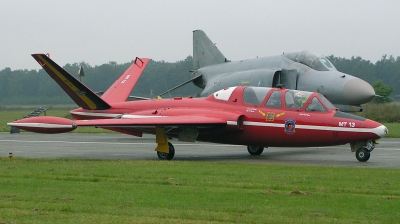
{"x":383,"y":91}
{"x":29,"y":87}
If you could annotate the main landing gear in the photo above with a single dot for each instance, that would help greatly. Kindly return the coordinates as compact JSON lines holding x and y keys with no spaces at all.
{"x":167,"y":156}
{"x":255,"y":150}
{"x":363,"y":151}
{"x":165,"y":150}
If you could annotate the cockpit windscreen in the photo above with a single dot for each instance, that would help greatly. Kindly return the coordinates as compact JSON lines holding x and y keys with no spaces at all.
{"x":312,"y":60}
{"x":254,"y":95}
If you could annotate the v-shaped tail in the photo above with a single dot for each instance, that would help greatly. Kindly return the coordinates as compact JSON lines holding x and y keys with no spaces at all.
{"x":82,"y":95}
{"x":120,"y":90}
{"x":79,"y":93}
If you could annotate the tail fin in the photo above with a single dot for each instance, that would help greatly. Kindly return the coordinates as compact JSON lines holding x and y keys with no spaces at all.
{"x":79,"y":93}
{"x":204,"y":51}
{"x":120,"y":90}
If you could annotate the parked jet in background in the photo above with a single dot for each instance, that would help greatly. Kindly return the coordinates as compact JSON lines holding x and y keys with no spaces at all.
{"x":254,"y":116}
{"x":298,"y":70}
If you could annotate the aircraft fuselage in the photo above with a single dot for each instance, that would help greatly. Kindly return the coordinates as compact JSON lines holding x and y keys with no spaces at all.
{"x":248,"y":124}
{"x":345,"y":91}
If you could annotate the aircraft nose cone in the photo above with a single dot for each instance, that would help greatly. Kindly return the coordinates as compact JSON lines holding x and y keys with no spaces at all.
{"x":382,"y":131}
{"x":357,"y":92}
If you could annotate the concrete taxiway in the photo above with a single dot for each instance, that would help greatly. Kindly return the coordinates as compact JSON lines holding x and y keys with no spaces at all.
{"x":119,"y":146}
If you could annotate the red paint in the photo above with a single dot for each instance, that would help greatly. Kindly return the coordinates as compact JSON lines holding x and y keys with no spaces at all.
{"x":247,"y":124}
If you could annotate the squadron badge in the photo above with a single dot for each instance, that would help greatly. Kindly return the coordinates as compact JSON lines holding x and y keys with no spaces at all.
{"x":290,"y":124}
{"x":270,"y":116}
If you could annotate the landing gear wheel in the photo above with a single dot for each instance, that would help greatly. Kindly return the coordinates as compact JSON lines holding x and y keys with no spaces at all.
{"x":362,"y":155}
{"x":167,"y":156}
{"x":255,"y":150}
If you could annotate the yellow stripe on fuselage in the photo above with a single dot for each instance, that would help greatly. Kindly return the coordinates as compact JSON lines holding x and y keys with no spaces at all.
{"x":85,"y":99}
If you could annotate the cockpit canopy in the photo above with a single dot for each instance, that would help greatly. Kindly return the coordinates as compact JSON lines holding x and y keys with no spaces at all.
{"x":312,"y":60}
{"x":278,"y":98}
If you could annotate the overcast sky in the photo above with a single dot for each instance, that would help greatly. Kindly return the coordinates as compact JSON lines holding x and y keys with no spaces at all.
{"x":100,"y":31}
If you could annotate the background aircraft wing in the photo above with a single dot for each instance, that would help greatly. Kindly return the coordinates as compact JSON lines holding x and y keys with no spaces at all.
{"x":180,"y":85}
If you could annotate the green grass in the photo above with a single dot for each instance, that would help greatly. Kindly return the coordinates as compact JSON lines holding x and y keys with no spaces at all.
{"x":95,"y":191}
{"x":394,"y":130}
{"x":388,"y":112}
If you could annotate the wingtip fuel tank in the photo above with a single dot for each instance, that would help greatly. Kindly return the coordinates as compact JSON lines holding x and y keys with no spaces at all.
{"x":44,"y":124}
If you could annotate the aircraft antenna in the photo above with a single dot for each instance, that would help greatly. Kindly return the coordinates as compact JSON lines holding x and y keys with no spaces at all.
{"x":167,"y":89}
{"x":81,"y":73}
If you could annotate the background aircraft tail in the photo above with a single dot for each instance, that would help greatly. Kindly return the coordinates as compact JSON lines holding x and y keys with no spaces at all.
{"x":204,"y":51}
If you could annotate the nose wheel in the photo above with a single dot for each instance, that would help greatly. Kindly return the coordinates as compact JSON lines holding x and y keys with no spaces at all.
{"x":362,"y":154}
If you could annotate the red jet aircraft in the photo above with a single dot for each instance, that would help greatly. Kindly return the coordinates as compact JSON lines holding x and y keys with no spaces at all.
{"x":258,"y":117}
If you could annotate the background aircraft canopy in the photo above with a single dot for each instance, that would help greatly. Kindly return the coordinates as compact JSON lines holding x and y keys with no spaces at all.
{"x":312,"y":60}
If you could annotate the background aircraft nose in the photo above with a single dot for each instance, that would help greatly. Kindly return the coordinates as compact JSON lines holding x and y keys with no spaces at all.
{"x":358,"y":91}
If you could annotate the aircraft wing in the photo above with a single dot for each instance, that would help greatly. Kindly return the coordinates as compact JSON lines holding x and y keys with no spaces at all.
{"x":173,"y":121}
{"x":51,"y":124}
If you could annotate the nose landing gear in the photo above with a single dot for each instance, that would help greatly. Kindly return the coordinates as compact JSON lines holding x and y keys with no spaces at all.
{"x":362,"y":155}
{"x":364,"y":150}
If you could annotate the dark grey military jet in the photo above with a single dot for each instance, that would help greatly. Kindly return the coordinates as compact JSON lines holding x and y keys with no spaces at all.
{"x":298,"y":70}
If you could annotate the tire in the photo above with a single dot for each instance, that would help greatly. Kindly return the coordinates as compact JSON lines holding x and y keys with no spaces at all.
{"x":14,"y":130}
{"x":167,"y":156}
{"x":255,"y":150}
{"x":362,"y":155}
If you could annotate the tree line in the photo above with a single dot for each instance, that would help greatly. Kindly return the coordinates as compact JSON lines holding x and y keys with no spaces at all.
{"x":35,"y":87}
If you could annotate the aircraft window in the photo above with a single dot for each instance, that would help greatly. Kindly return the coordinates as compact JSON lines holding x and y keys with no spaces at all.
{"x":296,"y":99}
{"x":307,"y":58}
{"x":322,"y":64}
{"x":275,"y":99}
{"x":315,"y":105}
{"x":254,"y":95}
{"x":326,"y":62}
{"x":319,"y":66}
{"x":312,"y":60}
{"x":326,"y":102}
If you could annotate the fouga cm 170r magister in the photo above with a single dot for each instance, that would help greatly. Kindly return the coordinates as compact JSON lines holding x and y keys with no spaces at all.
{"x":256,"y":117}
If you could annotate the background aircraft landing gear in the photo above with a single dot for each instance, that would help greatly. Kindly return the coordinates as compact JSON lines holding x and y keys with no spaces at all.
{"x":255,"y":150}
{"x":362,"y":154}
{"x":167,"y":156}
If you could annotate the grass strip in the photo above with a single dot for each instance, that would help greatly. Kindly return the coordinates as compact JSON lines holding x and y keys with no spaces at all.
{"x":123,"y":191}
